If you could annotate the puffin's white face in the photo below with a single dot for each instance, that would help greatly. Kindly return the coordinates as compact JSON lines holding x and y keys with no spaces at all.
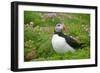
{"x":59,"y":27}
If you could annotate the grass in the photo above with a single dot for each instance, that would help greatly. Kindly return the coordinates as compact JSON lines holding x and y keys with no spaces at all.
{"x":38,"y":31}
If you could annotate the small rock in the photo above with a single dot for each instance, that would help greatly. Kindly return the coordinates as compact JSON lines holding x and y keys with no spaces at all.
{"x":31,"y":55}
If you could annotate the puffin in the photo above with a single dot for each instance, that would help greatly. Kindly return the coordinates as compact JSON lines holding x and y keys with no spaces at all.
{"x":62,"y":43}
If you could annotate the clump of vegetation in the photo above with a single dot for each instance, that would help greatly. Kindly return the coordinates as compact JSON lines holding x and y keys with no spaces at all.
{"x":38,"y":31}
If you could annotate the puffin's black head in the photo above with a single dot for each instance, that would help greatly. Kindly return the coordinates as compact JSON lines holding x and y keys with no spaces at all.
{"x":59,"y":27}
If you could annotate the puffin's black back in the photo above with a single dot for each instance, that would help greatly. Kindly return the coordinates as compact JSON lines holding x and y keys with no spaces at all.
{"x":72,"y":42}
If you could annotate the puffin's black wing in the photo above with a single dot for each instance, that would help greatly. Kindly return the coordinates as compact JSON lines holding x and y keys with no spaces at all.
{"x":72,"y":42}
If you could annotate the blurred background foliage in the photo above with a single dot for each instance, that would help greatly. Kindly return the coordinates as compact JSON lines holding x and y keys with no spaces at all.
{"x":39,"y":28}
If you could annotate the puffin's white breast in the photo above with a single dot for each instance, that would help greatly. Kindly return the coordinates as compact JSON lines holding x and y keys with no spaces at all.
{"x":59,"y":44}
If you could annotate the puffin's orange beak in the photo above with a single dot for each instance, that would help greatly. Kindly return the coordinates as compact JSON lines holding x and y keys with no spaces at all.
{"x":65,"y":29}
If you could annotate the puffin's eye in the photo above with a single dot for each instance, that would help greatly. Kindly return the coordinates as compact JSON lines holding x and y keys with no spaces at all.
{"x":59,"y":25}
